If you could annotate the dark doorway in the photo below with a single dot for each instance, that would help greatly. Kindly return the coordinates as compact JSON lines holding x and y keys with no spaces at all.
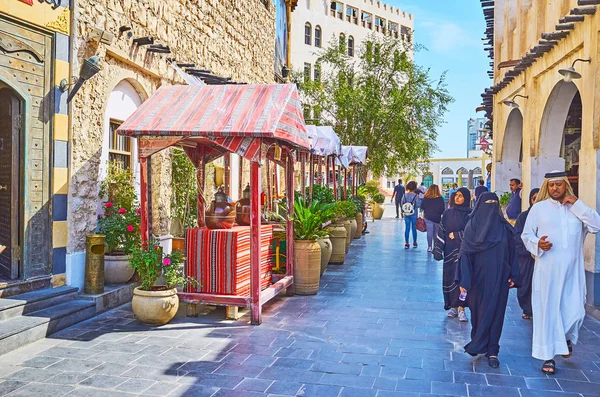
{"x":571,"y":143}
{"x":10,"y":159}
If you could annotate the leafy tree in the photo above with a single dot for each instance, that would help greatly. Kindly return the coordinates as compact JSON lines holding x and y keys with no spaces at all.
{"x":380,"y":99}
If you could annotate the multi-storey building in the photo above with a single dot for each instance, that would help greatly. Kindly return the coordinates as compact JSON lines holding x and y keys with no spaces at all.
{"x":475,"y":129}
{"x":316,"y":23}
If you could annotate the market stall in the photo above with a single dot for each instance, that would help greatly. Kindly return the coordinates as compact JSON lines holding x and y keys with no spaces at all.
{"x":325,"y":148}
{"x":254,"y":121}
{"x":356,"y":156}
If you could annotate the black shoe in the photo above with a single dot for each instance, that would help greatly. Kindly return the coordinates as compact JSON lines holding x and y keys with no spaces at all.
{"x":493,"y":362}
{"x":397,"y":216}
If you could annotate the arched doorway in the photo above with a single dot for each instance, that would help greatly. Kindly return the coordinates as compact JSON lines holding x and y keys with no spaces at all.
{"x":560,"y":134}
{"x":11,"y":122}
{"x":509,"y":165}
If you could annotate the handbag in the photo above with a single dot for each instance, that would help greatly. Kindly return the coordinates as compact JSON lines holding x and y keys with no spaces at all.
{"x":421,"y":225}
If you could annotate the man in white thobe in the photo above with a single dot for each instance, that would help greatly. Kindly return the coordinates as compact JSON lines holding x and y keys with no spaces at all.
{"x":554,"y":233}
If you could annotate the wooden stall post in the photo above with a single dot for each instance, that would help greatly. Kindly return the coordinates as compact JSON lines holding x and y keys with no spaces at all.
{"x":144,"y":199}
{"x":200,"y":181}
{"x":289,"y":194}
{"x":303,"y":172}
{"x":269,"y":198}
{"x":327,"y":171}
{"x":345,"y":183}
{"x":256,"y":309}
{"x":311,"y":174}
{"x":335,"y":193}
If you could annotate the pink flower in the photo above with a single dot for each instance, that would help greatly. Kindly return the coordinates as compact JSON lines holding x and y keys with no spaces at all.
{"x":99,"y":216}
{"x":166,"y":262}
{"x":130,"y":228}
{"x":156,"y":247}
{"x":122,"y":211}
{"x":109,"y":205}
{"x":139,"y":211}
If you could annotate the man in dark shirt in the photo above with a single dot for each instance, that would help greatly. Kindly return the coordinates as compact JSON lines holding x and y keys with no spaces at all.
{"x":513,"y":209}
{"x":480,"y":189}
{"x":398,"y":194}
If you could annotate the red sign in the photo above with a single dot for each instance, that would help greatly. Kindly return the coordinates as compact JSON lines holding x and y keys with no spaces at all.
{"x":28,"y":2}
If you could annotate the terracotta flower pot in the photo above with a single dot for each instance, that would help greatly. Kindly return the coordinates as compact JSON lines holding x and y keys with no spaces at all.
{"x":337,"y":235}
{"x":326,"y":250}
{"x":117,"y":269}
{"x":307,"y":267}
{"x":348,"y":227}
{"x":155,"y":307}
{"x":359,"y":224}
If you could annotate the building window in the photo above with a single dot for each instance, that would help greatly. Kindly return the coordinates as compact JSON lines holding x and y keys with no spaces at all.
{"x":352,"y":15}
{"x":393,"y":28}
{"x":317,"y":72}
{"x":379,"y":24}
{"x":307,"y":33}
{"x":337,"y":10}
{"x":447,"y":171}
{"x":351,"y":46}
{"x":307,"y":68}
{"x":318,"y":36}
{"x":119,"y":147}
{"x":406,"y":34}
{"x":367,"y":20}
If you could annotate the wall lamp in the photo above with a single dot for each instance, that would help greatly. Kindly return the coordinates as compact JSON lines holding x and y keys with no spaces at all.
{"x":569,"y":74}
{"x":511,"y":102}
{"x":88,"y":70}
{"x":285,"y":72}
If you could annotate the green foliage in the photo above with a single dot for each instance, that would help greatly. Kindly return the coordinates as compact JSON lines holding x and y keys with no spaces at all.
{"x":360,"y":202}
{"x":504,"y":199}
{"x":369,"y":190}
{"x":380,"y":99}
{"x":150,"y":263}
{"x":308,"y":220}
{"x":320,"y":193}
{"x":185,"y":190}
{"x":346,"y":209}
{"x":379,"y":198}
{"x":120,"y":221}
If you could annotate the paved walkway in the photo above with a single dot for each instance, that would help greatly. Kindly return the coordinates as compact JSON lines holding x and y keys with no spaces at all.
{"x":376,"y":328}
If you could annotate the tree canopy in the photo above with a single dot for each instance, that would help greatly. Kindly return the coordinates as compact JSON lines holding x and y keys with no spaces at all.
{"x":378,"y":98}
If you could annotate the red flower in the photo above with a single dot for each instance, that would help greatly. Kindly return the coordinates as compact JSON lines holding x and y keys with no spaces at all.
{"x":139,"y":211}
{"x":130,"y":228}
{"x":166,"y":262}
{"x":109,"y":205}
{"x":122,"y":211}
{"x":156,"y":247}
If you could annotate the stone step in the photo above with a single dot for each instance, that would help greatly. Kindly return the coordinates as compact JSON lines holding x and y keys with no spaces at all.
{"x":30,"y":302}
{"x":19,"y":331}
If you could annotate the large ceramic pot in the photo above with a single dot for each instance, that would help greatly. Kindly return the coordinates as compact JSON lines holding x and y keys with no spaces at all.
{"x":359,"y":224}
{"x":349,"y":235}
{"x":220,"y":214}
{"x":242,"y":208}
{"x":377,"y":211}
{"x":155,"y":307}
{"x":307,"y":267}
{"x":326,"y":250}
{"x":353,"y":227}
{"x":337,"y":235}
{"x":117,"y":269}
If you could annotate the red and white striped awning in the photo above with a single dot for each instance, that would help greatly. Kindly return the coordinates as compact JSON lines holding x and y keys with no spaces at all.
{"x":226,"y":114}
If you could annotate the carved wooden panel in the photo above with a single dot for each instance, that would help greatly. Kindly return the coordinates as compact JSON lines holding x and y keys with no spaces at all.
{"x":26,"y":55}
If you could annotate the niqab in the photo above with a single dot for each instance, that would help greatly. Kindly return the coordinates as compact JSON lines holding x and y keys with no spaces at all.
{"x":486,"y":226}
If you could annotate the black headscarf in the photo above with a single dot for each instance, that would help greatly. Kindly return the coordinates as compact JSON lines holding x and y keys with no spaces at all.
{"x":456,"y":217}
{"x":531,"y":194}
{"x":486,"y":226}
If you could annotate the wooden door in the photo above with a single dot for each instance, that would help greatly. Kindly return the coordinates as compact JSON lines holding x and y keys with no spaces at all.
{"x":10,"y":186}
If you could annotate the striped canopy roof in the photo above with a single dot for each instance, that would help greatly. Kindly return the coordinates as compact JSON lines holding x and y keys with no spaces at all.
{"x":221,"y":111}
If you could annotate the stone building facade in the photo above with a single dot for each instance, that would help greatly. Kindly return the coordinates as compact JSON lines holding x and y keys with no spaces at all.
{"x":555,"y":124}
{"x":231,"y":38}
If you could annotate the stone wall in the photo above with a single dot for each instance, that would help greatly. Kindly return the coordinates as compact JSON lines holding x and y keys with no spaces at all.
{"x":232,"y":38}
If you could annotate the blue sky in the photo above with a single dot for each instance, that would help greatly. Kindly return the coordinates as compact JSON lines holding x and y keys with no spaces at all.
{"x":452,"y":31}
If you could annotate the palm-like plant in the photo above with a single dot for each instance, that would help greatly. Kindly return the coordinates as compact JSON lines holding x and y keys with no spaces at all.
{"x":309,"y":219}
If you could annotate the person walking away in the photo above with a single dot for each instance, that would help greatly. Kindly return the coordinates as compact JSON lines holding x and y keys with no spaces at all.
{"x":480,"y":189}
{"x":526,"y":261}
{"x":447,"y":245}
{"x":554,"y":233}
{"x":487,"y":268}
{"x":421,"y":189}
{"x":433,"y":208}
{"x":398,"y":194}
{"x":513,"y":209}
{"x":410,"y":210}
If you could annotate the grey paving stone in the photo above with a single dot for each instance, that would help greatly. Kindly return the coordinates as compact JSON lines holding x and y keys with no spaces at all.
{"x":67,"y":352}
{"x":284,"y":388}
{"x":103,"y":381}
{"x":247,"y":371}
{"x":8,"y":386}
{"x":385,"y":383}
{"x":413,"y":385}
{"x":504,"y":380}
{"x":579,"y":387}
{"x":251,"y":384}
{"x":40,"y":362}
{"x":548,"y":393}
{"x":31,"y":375}
{"x":348,"y":380}
{"x":492,"y":391}
{"x":387,"y":393}
{"x":110,"y":369}
{"x":470,"y":378}
{"x":290,"y":352}
{"x":430,"y":375}
{"x":163,"y":389}
{"x":213,"y":380}
{"x":337,"y":368}
{"x":310,"y":390}
{"x":135,"y":385}
{"x":237,"y":393}
{"x":290,"y":374}
{"x":357,"y":392}
{"x":257,"y":360}
{"x":68,"y":378}
{"x":293,"y":363}
{"x":448,"y":388}
{"x":542,"y":384}
{"x":74,"y":365}
{"x":41,"y":390}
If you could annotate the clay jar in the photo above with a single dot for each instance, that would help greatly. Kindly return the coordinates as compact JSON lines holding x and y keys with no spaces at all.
{"x":220,"y":214}
{"x":242,"y":208}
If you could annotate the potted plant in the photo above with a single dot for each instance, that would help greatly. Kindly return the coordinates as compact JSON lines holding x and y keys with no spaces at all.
{"x":360,"y":201}
{"x":348,"y":211}
{"x":503,"y":200}
{"x":378,"y":200}
{"x":337,"y":233}
{"x":157,"y":304}
{"x":322,"y":211}
{"x":119,"y":223}
{"x":307,"y":253}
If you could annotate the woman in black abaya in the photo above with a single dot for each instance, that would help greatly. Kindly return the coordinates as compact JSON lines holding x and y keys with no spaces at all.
{"x":447,"y":246}
{"x":487,"y":268}
{"x":526,"y":261}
